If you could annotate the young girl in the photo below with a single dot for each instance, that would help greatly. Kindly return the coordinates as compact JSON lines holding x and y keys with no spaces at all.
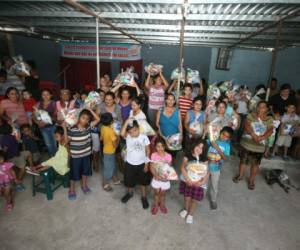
{"x":192,"y":191}
{"x":137,"y":158}
{"x":7,"y":176}
{"x":59,"y":162}
{"x":159,"y":185}
{"x":110,"y":144}
{"x":81,"y":150}
{"x":47,"y":130}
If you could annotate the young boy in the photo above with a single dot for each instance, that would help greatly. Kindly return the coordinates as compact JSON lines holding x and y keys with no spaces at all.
{"x":218,"y":152}
{"x":186,"y":100}
{"x":289,"y":122}
{"x":110,"y":144}
{"x":30,"y":142}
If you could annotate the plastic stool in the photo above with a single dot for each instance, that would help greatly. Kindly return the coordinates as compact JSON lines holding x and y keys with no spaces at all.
{"x":50,"y":181}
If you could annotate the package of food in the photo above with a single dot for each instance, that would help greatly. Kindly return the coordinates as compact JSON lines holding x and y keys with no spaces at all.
{"x":165,"y":171}
{"x":173,"y":142}
{"x":117,"y":127}
{"x":259,"y":129}
{"x":175,"y":73}
{"x":235,"y":121}
{"x":153,"y":69}
{"x":214,"y":128}
{"x":213,"y":92}
{"x":211,"y":106}
{"x":21,"y":67}
{"x":42,"y":115}
{"x":93,"y":100}
{"x":225,"y":86}
{"x":145,"y":128}
{"x":196,"y":170}
{"x":125,"y":77}
{"x":198,"y":127}
{"x":71,"y":118}
{"x":192,"y":76}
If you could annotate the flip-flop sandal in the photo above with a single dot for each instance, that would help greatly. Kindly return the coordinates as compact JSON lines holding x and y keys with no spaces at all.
{"x":237,"y":179}
{"x":251,"y":186}
{"x":29,"y":171}
{"x":8,"y":207}
{"x":117,"y":182}
{"x":72,"y":196}
{"x":86,"y":190}
{"x":108,"y":188}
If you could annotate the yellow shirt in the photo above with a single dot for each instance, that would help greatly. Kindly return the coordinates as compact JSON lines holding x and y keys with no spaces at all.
{"x":108,"y":136}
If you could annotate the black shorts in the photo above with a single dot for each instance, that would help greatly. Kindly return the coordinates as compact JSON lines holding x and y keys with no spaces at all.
{"x":250,"y":158}
{"x":134,"y":174}
{"x":79,"y":167}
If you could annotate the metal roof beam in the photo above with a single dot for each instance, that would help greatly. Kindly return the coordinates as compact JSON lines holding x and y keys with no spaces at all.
{"x":154,"y":16}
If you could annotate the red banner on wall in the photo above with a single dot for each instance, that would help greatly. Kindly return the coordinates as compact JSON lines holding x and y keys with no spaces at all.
{"x":118,"y":52}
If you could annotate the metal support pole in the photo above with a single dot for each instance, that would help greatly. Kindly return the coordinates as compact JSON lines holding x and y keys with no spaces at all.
{"x":274,"y":57}
{"x":97,"y":53}
{"x":181,"y":41}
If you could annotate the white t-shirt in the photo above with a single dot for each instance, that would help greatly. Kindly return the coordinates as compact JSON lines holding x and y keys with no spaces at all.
{"x":136,"y":149}
{"x":138,"y":117}
{"x":289,"y":120}
{"x":242,"y":107}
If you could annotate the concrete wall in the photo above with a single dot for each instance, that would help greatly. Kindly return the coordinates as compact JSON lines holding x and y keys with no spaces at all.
{"x":253,"y":67}
{"x":167,"y":55}
{"x":45,"y":54}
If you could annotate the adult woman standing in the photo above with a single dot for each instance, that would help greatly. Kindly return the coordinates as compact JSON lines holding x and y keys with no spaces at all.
{"x":156,"y":94}
{"x":258,"y":127}
{"x":136,"y":112}
{"x":12,"y":108}
{"x":47,"y":130}
{"x":168,"y":119}
{"x":109,"y":105}
{"x":197,"y":116}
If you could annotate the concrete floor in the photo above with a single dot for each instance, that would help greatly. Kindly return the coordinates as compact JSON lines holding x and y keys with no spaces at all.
{"x":266,"y":218}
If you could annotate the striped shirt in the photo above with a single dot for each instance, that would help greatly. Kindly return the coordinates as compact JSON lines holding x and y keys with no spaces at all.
{"x":156,"y":98}
{"x":185,"y":104}
{"x":15,"y":111}
{"x":80,"y":142}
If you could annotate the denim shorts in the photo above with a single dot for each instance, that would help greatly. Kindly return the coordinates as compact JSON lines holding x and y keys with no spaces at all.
{"x":79,"y":167}
{"x":109,"y":166}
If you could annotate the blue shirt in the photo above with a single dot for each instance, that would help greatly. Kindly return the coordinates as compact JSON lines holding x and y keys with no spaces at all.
{"x":169,"y":125}
{"x":214,"y":158}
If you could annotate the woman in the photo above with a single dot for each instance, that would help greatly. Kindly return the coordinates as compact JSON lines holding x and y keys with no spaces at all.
{"x":110,"y":106}
{"x":64,"y":105}
{"x":136,"y":110}
{"x":47,"y":130}
{"x":168,"y":119}
{"x":12,"y":108}
{"x":258,"y":127}
{"x":194,"y":116}
{"x":156,"y":94}
{"x":224,"y":119}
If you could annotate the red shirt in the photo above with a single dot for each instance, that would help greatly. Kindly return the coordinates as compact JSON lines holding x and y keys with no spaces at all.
{"x":185,"y":104}
{"x":28,"y":104}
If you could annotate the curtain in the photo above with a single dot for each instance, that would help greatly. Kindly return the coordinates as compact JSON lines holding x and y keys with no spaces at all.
{"x":81,"y":72}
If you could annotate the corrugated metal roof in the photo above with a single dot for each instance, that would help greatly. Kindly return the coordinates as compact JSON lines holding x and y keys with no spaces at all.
{"x":214,"y":23}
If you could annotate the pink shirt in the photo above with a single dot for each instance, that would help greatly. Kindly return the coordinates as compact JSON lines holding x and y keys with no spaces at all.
{"x":166,"y":158}
{"x":5,"y":175}
{"x":156,"y":98}
{"x":14,"y":110}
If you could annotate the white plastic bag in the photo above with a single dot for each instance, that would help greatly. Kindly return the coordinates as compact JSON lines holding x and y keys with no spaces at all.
{"x":153,"y":69}
{"x":42,"y":115}
{"x":192,"y":76}
{"x":145,"y":128}
{"x":196,"y":170}
{"x":165,"y":171}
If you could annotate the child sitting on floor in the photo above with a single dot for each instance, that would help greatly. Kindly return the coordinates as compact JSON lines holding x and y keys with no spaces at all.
{"x":10,"y":146}
{"x":7,"y":178}
{"x":59,"y":162}
{"x":160,"y":185}
{"x":110,"y":144}
{"x":193,"y":192}
{"x":217,"y":153}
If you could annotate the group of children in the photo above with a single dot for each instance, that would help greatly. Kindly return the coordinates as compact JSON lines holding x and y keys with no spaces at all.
{"x":77,"y":148}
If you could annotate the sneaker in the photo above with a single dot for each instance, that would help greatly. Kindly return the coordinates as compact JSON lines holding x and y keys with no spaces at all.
{"x":108,"y":188}
{"x":86,"y":190}
{"x":285,"y":158}
{"x":8,"y":207}
{"x":189,"y":219}
{"x":154,"y":210}
{"x":72,"y":196}
{"x":213,"y":205}
{"x":183,"y":213}
{"x":127,"y":197}
{"x":145,"y":202}
{"x":163,"y":209}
